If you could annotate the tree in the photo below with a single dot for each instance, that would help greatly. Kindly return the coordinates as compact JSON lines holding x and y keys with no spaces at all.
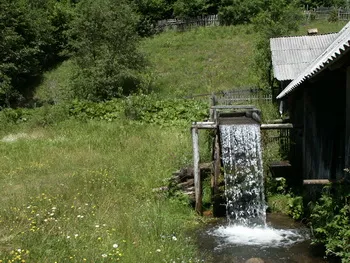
{"x":278,"y":18}
{"x":233,"y":12}
{"x":31,"y":40}
{"x":104,"y":43}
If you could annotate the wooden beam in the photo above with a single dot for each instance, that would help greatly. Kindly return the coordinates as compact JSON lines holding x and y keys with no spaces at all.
{"x":317,"y":181}
{"x":196,"y":171}
{"x":204,"y":125}
{"x":269,"y":126}
{"x":233,"y":107}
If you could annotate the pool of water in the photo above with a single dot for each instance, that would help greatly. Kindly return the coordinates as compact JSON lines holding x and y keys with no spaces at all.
{"x":283,"y":240}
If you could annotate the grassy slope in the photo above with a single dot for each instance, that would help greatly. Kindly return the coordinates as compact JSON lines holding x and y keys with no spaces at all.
{"x":210,"y":59}
{"x":202,"y":60}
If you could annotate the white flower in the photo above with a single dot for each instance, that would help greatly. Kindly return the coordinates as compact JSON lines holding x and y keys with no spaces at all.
{"x":19,"y":250}
{"x":104,"y":255}
{"x":174,"y":238}
{"x":76,"y":235}
{"x":115,"y":246}
{"x":158,"y":250}
{"x":97,"y":226}
{"x":54,"y":208}
{"x":68,"y":237}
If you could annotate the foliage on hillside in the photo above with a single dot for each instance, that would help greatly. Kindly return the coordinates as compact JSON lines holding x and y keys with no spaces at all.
{"x":330,"y":218}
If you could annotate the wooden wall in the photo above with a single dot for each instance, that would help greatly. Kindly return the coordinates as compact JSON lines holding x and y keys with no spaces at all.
{"x":318,"y":113}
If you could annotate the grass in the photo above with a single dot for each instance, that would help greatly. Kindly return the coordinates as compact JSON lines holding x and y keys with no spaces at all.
{"x":82,"y":191}
{"x":202,"y":60}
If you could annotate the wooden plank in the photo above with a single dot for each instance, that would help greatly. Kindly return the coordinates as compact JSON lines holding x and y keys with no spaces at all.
{"x":317,"y":181}
{"x":233,"y":107}
{"x":196,"y":171}
{"x":204,"y":125}
{"x":267,"y":126}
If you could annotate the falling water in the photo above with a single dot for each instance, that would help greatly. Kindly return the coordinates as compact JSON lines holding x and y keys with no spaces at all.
{"x":244,"y":183}
{"x":247,"y":234}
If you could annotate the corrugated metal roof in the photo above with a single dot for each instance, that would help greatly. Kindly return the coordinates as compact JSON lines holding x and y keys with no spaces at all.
{"x":332,"y":53}
{"x":291,"y":55}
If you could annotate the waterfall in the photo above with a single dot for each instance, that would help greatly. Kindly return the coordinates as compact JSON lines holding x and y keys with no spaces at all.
{"x":244,"y":182}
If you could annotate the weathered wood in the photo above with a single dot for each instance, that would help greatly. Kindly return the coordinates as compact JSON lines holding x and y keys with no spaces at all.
{"x":204,"y":125}
{"x":217,"y":163}
{"x":233,"y":107}
{"x":267,"y":126}
{"x":347,"y":120}
{"x":317,"y":181}
{"x":196,"y":171}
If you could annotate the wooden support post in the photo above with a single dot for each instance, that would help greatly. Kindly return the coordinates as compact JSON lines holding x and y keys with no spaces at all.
{"x":196,"y":171}
{"x":216,"y":174}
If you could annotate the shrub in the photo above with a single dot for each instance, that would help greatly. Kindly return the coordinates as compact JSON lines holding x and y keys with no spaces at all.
{"x":330,"y":218}
{"x":105,"y":45}
{"x":164,"y":112}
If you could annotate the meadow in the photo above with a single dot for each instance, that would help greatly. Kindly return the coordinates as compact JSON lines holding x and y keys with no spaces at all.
{"x":82,"y":192}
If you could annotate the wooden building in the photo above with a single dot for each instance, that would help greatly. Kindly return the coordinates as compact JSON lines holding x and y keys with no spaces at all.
{"x":318,"y":102}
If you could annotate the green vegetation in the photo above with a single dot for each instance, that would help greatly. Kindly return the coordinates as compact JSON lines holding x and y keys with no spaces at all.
{"x":109,"y":122}
{"x":81,"y":189}
{"x":202,"y":60}
{"x":330,"y":217}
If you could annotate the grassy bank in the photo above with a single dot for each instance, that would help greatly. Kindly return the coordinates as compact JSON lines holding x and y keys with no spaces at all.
{"x":82,"y":192}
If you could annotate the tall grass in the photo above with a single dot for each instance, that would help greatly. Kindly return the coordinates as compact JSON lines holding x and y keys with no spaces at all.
{"x":82,"y":192}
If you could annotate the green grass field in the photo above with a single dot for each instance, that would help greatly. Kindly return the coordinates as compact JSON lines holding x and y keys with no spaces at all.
{"x":82,"y":192}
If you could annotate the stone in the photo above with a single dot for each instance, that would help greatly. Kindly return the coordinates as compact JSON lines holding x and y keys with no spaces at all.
{"x":255,"y":260}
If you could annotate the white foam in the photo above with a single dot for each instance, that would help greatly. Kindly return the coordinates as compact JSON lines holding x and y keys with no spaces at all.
{"x":259,"y":236}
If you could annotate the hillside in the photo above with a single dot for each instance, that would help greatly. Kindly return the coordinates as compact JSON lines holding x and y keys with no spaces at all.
{"x":202,"y":60}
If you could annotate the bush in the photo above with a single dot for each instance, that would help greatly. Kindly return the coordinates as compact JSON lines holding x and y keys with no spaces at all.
{"x":164,"y":112}
{"x":330,"y":218}
{"x":105,"y":45}
{"x":238,"y":12}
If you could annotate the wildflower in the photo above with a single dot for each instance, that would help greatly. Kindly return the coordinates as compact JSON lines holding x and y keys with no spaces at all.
{"x":68,"y":237}
{"x":54,"y":208}
{"x":158,"y":250}
{"x":76,"y":235}
{"x":97,"y":226}
{"x":104,"y":255}
{"x":115,"y":246}
{"x":174,"y":238}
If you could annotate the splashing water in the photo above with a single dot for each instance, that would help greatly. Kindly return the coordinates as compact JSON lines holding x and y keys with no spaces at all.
{"x":244,"y":183}
{"x":244,"y":192}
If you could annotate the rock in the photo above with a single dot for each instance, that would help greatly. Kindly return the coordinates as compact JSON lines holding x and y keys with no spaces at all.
{"x":255,"y":260}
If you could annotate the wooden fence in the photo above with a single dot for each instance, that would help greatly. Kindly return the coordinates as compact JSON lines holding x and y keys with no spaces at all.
{"x":186,"y":24}
{"x":236,"y":96}
{"x":327,"y":13}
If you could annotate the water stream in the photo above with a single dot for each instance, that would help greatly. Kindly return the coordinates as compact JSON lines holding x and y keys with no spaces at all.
{"x":246,"y":233}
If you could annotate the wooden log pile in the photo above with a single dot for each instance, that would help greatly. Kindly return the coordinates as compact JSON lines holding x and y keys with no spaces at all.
{"x":183,"y":180}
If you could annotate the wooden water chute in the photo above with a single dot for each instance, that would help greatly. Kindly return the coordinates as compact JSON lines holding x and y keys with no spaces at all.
{"x":220,"y":115}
